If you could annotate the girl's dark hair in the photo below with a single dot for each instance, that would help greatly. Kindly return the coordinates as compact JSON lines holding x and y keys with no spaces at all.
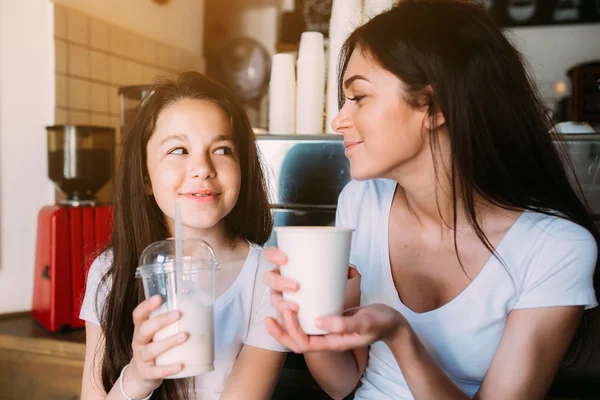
{"x":452,"y":58}
{"x":138,"y":221}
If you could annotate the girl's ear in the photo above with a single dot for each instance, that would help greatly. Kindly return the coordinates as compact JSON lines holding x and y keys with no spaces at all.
{"x":148,"y":187}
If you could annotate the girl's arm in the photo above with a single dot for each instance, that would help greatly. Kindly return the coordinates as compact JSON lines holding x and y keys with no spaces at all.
{"x":91,"y":384}
{"x":254,"y":374}
{"x":337,"y":372}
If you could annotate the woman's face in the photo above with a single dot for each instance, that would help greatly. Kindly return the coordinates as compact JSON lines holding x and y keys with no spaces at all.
{"x":383,"y":134}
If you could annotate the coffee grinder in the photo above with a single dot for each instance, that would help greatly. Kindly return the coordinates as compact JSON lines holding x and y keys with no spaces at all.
{"x":71,"y":233}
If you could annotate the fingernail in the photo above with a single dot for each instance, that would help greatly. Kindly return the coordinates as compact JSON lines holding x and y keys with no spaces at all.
{"x":156,"y":298}
{"x":173,"y":315}
{"x":182,"y":336}
{"x":291,"y":286}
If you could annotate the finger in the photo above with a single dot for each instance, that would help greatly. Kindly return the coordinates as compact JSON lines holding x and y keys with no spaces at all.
{"x":338,"y":342}
{"x":352,"y":272}
{"x":292,"y":327}
{"x":161,"y":372}
{"x":145,"y":332}
{"x":281,"y":305}
{"x":276,"y":330}
{"x":154,"y":349}
{"x":343,"y":324}
{"x":143,"y":310}
{"x":278,"y":283}
{"x":275,"y":256}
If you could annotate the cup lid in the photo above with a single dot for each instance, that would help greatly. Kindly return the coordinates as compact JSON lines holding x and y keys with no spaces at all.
{"x":159,"y":257}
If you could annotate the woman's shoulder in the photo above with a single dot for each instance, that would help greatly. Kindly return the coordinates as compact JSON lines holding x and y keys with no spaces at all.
{"x":555,"y":228}
{"x":553,"y":239}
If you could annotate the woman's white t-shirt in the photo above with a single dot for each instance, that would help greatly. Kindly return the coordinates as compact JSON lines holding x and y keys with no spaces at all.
{"x":232,"y":315}
{"x":549,"y":262}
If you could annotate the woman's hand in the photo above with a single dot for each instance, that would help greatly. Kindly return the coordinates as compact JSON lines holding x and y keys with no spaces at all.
{"x":359,"y":327}
{"x":143,"y":375}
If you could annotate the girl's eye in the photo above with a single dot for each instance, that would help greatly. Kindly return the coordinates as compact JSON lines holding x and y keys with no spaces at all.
{"x":224,"y":151}
{"x":178,"y":151}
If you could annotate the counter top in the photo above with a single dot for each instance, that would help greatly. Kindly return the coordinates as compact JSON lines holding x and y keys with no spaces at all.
{"x":20,"y":331}
{"x":21,"y":334}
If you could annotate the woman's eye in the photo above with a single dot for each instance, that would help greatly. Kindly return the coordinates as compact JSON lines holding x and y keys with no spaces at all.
{"x":178,"y":151}
{"x":356,"y":99}
{"x":224,"y":151}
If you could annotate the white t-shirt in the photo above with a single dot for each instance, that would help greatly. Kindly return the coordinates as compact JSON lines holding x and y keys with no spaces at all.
{"x":232,"y":315}
{"x":551,"y":261}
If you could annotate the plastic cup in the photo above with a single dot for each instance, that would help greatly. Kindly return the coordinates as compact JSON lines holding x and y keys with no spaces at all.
{"x":187,"y":286}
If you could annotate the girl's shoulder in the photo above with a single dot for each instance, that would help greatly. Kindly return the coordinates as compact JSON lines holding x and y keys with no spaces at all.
{"x":256,"y":258}
{"x":102,"y":262}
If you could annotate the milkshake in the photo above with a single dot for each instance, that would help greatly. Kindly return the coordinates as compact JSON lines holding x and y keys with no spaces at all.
{"x":197,"y":353}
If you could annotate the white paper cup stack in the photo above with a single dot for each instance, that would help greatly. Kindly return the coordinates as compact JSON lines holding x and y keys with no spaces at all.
{"x":346,"y":15}
{"x":374,"y":7}
{"x":282,"y":94}
{"x":310,"y":92}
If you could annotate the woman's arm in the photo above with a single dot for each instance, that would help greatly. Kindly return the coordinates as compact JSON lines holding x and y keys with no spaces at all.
{"x":532,"y":347}
{"x":254,"y":374}
{"x":529,"y":355}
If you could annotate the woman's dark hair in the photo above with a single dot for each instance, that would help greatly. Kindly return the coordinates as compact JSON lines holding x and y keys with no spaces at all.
{"x":453,"y":59}
{"x":138,"y":221}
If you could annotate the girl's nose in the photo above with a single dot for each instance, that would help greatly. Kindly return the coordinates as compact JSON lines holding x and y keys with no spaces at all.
{"x":202,"y":167}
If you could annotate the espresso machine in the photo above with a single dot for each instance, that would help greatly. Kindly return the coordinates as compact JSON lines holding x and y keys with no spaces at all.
{"x":71,"y":233}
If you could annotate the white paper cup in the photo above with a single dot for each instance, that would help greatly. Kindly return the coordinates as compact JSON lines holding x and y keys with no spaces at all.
{"x":318,"y":259}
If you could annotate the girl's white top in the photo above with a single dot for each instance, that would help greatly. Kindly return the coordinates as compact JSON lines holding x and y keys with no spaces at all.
{"x":232,"y":315}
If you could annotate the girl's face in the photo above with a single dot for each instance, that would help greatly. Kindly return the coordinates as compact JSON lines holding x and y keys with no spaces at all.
{"x":383,"y":134}
{"x":191,"y":160}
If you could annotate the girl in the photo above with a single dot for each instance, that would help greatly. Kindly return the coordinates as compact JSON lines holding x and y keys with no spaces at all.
{"x":190,"y":142}
{"x":475,"y":256}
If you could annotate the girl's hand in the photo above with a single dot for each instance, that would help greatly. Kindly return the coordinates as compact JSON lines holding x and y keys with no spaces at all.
{"x":143,"y":375}
{"x":359,"y":327}
{"x":278,"y":284}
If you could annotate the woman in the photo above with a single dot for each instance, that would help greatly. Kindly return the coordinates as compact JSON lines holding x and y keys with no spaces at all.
{"x":474,"y":255}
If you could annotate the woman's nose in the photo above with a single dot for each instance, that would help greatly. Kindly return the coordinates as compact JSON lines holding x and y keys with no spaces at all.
{"x":341,"y":121}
